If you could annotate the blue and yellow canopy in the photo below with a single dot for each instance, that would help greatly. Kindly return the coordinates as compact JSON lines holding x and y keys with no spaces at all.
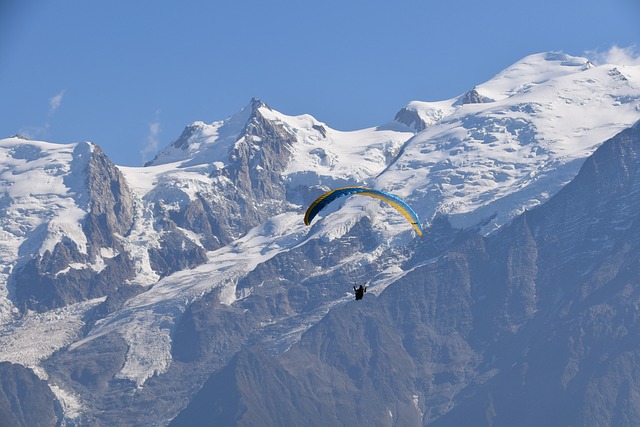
{"x":394,"y":201}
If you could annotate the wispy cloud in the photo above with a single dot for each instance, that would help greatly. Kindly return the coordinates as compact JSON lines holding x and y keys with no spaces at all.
{"x":616,"y":55}
{"x":42,"y":131}
{"x":54,"y":102}
{"x":152,"y":142}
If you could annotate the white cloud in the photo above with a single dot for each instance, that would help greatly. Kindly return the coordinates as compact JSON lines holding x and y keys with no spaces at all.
{"x":32,"y":132}
{"x":616,"y":55}
{"x":54,"y":102}
{"x":42,"y":131}
{"x":152,"y":143}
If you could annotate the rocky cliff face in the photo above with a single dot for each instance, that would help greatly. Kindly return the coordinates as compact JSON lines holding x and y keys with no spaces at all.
{"x":52,"y":279}
{"x":26,"y":400}
{"x":256,"y":164}
{"x":110,"y":205}
{"x":238,"y":193}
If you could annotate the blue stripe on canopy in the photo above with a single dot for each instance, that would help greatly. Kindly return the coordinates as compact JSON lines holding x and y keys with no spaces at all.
{"x":328,"y":197}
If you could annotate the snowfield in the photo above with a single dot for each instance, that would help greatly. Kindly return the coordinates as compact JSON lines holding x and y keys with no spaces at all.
{"x":488,"y":162}
{"x":40,"y":203}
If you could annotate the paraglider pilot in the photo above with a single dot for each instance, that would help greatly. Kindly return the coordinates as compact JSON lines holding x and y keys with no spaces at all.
{"x":360,"y":291}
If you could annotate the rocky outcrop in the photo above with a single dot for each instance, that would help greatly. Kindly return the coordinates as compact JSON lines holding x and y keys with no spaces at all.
{"x":89,"y":373}
{"x":244,"y":193}
{"x":26,"y":400}
{"x":237,"y":405}
{"x":42,"y":284}
{"x":175,"y":251}
{"x":410,"y":118}
{"x":472,"y":97}
{"x":256,"y":165}
{"x":92,"y":366}
{"x":65,"y":275}
{"x":110,"y":204}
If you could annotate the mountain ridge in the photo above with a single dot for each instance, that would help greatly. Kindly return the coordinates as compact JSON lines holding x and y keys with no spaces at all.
{"x":203,"y":252}
{"x":499,"y":329}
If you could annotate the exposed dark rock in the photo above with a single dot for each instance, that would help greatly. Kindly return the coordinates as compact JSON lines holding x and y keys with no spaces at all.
{"x":41,"y":286}
{"x":183,"y":141}
{"x":48,"y":281}
{"x":113,"y":201}
{"x":410,"y":118}
{"x":208,"y":331}
{"x":88,"y":371}
{"x":198,"y":217}
{"x":258,"y":159}
{"x":473,"y":97}
{"x":115,"y":300}
{"x":175,"y":252}
{"x":235,"y":404}
{"x":26,"y":400}
{"x":252,"y":188}
{"x":92,"y":365}
{"x":321,"y":129}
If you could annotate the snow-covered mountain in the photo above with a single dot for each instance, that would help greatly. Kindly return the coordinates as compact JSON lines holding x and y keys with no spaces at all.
{"x":536,"y":324}
{"x":512,"y":142}
{"x":146,"y":281}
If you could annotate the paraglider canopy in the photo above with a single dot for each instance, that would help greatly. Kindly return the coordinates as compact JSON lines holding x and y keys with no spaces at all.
{"x":392,"y":200}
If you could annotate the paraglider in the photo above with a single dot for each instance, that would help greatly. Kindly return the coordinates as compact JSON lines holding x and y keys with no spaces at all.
{"x":360,"y":292}
{"x":328,"y":197}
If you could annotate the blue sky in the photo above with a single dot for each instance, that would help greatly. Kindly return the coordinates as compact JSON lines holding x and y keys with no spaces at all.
{"x":130,"y":75}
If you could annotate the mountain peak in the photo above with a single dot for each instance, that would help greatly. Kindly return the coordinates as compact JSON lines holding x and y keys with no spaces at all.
{"x":419,"y":115}
{"x":256,"y":104}
{"x":200,"y":136}
{"x":532,"y":70}
{"x":478,"y":157}
{"x":518,"y":78}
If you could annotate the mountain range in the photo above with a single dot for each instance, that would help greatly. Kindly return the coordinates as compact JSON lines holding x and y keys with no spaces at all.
{"x":190,"y":292}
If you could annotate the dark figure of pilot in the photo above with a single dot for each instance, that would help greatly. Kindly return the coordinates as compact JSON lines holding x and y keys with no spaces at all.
{"x":360,"y":291}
